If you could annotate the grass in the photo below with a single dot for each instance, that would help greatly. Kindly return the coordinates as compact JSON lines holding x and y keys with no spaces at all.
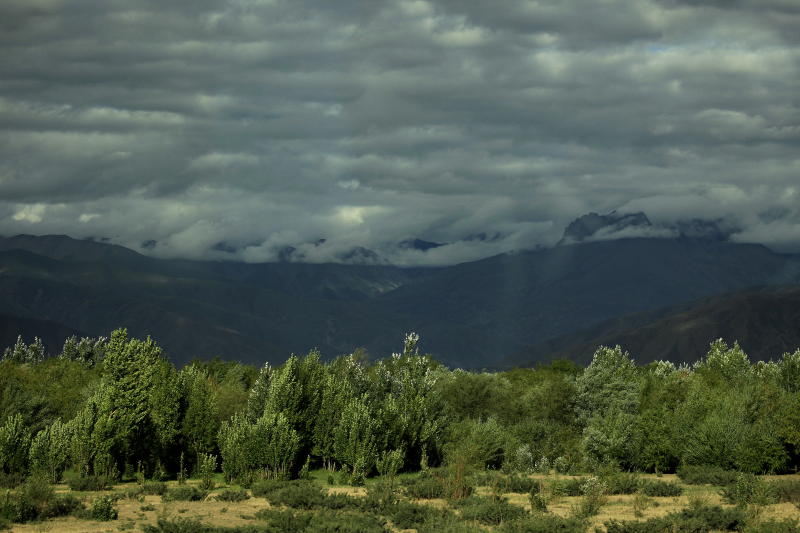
{"x":422,"y":515}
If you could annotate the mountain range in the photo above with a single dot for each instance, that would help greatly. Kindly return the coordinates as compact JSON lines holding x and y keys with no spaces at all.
{"x":502,"y":310}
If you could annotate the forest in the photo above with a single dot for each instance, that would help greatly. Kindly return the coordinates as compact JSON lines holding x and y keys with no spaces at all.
{"x":115,"y":411}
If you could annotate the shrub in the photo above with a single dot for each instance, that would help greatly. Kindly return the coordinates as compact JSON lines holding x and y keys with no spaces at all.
{"x":538,"y":502}
{"x":298,"y":495}
{"x":206,"y":464}
{"x":567,"y":487}
{"x":156,"y":488}
{"x":786,"y":490}
{"x":623,"y":483}
{"x":36,"y":500}
{"x":543,"y":523}
{"x":184,"y":493}
{"x":424,"y":487}
{"x":706,"y":475}
{"x":662,"y":489}
{"x":284,"y":520}
{"x":233,"y":495}
{"x":489,"y":511}
{"x":104,"y":508}
{"x":696,"y":518}
{"x":11,"y":480}
{"x":380,"y":495}
{"x":328,"y":522}
{"x":654,"y":525}
{"x":519,"y":484}
{"x":594,"y":497}
{"x":265,"y":487}
{"x":88,"y":483}
{"x":179,"y":525}
{"x":318,"y":522}
{"x":788,"y":525}
{"x":748,"y":489}
{"x":640,"y":503}
{"x":562,"y":465}
{"x":408,"y":515}
{"x":304,"y":495}
{"x":542,"y":466}
{"x":61,"y":505}
{"x":448,"y":524}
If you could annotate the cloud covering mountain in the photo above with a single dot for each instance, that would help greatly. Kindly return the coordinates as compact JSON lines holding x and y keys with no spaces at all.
{"x":266,"y":124}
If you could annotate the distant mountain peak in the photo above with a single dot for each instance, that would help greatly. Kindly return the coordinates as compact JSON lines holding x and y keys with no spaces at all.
{"x":707,"y":230}
{"x":418,"y":244}
{"x":591,"y":224}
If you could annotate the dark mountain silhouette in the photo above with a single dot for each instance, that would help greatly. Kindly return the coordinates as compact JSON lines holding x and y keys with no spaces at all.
{"x":471,"y":315}
{"x":52,"y":334}
{"x":418,"y":244}
{"x":590,"y":224}
{"x":765,"y":322}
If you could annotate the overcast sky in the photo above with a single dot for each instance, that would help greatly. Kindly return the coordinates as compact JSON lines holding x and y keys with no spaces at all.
{"x":261,"y":124}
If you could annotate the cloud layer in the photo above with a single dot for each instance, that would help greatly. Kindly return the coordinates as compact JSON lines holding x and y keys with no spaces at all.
{"x":237,"y":128}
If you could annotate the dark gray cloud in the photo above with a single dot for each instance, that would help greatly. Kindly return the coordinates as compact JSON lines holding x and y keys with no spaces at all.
{"x":263,"y":124}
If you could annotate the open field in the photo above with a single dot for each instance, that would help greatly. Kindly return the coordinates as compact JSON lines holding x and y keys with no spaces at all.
{"x":137,"y":511}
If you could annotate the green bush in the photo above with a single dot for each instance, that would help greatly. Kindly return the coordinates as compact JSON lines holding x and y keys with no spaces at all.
{"x":660,"y":489}
{"x":304,"y":495}
{"x":104,"y":508}
{"x":698,"y":518}
{"x":36,"y":500}
{"x":233,"y":495}
{"x":284,"y":520}
{"x":156,"y":488}
{"x":594,"y":497}
{"x":448,"y":523}
{"x":184,"y":493}
{"x":489,"y":511}
{"x":653,"y":525}
{"x":265,"y":487}
{"x":206,"y":464}
{"x":424,"y":487}
{"x":279,"y":521}
{"x":786,"y":490}
{"x":748,"y":489}
{"x":623,"y":483}
{"x":10,"y":480}
{"x":543,"y":523}
{"x":711,"y":516}
{"x":788,"y":525}
{"x":89,"y":483}
{"x":298,"y":496}
{"x":538,"y":502}
{"x":61,"y":505}
{"x":568,"y":486}
{"x":406,"y":515}
{"x":330,"y":522}
{"x":519,"y":484}
{"x":706,"y":475}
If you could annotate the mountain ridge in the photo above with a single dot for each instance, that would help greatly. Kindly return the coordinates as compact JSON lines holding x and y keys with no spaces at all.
{"x":472,"y":314}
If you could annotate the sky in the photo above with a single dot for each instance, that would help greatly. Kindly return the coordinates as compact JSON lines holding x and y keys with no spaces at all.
{"x":233,"y":129}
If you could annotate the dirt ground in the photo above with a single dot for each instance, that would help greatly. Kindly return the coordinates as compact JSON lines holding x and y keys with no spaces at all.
{"x":133,"y":513}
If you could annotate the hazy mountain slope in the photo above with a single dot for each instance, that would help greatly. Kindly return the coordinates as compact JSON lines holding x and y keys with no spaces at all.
{"x":472,"y":315}
{"x":766,"y":323}
{"x":509,"y":301}
{"x":52,"y":334}
{"x":66,"y":248}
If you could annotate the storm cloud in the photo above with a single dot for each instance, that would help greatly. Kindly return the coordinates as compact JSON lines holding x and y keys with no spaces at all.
{"x":238,"y":128}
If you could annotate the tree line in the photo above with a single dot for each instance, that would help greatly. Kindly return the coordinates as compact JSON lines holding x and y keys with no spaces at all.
{"x":116,"y":407}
